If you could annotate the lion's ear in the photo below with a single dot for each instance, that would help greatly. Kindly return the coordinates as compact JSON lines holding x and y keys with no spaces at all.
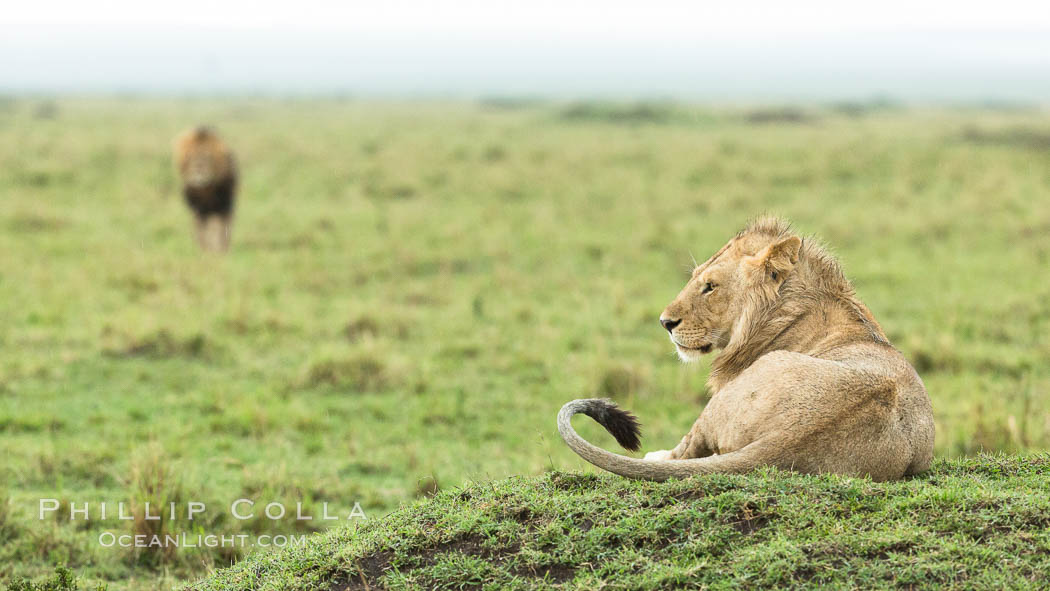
{"x":779,"y":258}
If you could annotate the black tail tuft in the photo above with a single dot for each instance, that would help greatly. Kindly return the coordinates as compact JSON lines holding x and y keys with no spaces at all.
{"x":623,"y":425}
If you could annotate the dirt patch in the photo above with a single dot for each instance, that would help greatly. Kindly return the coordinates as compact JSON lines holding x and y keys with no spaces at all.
{"x":883,"y":553}
{"x":371,"y":569}
{"x":703,"y":490}
{"x":690,"y":495}
{"x":749,"y":520}
{"x":573,"y":482}
{"x":521,"y":514}
{"x":471,"y":545}
{"x":554,"y":573}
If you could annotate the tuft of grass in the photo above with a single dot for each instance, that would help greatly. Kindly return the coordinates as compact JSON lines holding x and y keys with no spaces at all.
{"x":162,"y":344}
{"x":7,"y":527}
{"x":29,"y":222}
{"x":618,"y":113}
{"x":1033,"y":139}
{"x":494,"y":153}
{"x":620,"y":383}
{"x":46,"y":109}
{"x":781,"y":115}
{"x":974,"y":523}
{"x":360,"y":328}
{"x":154,"y":482}
{"x":369,"y":327}
{"x":357,"y":373}
{"x":427,"y":486}
{"x":63,"y":579}
{"x":31,"y":424}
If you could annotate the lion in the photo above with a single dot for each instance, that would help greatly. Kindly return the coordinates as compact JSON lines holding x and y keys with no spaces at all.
{"x":209,"y":182}
{"x":805,"y":380}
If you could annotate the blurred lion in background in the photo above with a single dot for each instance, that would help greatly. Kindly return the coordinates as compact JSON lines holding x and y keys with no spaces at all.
{"x":208,"y":172}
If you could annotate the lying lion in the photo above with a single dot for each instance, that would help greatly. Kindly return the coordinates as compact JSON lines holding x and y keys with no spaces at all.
{"x":806,"y":379}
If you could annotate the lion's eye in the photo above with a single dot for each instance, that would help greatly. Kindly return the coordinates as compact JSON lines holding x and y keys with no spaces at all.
{"x":708,"y":287}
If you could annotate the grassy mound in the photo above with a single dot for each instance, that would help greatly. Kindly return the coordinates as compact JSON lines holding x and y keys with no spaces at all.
{"x":980,"y":523}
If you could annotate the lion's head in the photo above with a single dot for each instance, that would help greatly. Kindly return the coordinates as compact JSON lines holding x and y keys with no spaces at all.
{"x":745,"y":275}
{"x":201,"y":157}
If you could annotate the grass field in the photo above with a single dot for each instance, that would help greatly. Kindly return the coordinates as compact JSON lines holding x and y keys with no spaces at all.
{"x":415,"y":288}
{"x":966,"y":524}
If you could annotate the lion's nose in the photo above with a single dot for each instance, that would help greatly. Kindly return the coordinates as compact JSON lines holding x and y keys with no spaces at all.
{"x":669,"y":323}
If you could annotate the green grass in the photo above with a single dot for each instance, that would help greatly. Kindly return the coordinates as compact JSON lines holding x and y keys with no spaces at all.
{"x":979,"y":524}
{"x":415,"y":288}
{"x":62,"y":580}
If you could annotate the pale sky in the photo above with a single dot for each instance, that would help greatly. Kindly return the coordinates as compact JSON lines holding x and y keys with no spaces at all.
{"x":598,"y":18}
{"x":712,"y":50}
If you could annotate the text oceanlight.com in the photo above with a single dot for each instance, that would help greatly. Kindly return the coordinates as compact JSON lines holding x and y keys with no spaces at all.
{"x":185,"y":540}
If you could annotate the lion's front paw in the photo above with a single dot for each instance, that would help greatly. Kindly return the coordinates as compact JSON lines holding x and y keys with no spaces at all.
{"x":663,"y":454}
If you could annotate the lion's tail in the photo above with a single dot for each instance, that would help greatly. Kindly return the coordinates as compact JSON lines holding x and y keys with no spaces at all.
{"x":625,"y":428}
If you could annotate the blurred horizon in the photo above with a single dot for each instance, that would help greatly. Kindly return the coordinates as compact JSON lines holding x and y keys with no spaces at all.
{"x":759,"y":51}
